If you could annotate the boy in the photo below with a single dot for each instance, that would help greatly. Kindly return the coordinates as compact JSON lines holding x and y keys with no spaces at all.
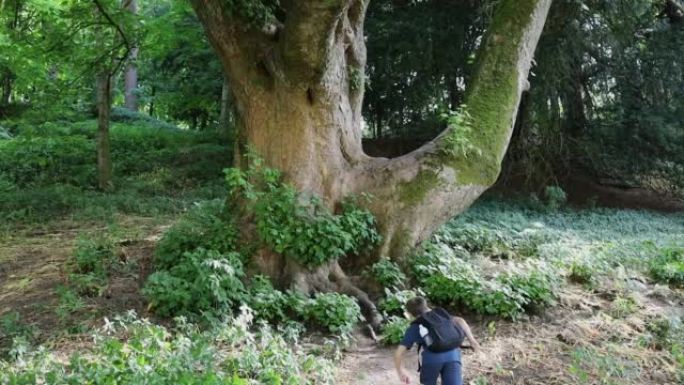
{"x":440,"y":336}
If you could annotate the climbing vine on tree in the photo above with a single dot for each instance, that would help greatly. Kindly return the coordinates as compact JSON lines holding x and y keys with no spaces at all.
{"x":297,"y":225}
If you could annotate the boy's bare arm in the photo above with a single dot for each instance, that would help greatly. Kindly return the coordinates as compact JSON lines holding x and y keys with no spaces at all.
{"x":469,"y":334}
{"x":399,"y":364}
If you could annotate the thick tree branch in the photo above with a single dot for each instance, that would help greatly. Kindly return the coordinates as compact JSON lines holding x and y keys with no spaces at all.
{"x":437,"y":179}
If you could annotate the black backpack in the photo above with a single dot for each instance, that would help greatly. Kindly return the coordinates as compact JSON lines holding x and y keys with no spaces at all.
{"x":443,"y":335}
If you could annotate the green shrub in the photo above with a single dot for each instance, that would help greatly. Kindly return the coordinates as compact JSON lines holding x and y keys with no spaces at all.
{"x":535,"y":287}
{"x":48,"y":160}
{"x":668,"y":266}
{"x":388,"y":274}
{"x":664,"y":333}
{"x":90,"y":263}
{"x":581,"y":273}
{"x":476,"y":239}
{"x":64,"y":153}
{"x":14,"y":334}
{"x":228,"y":353}
{"x":554,"y":197}
{"x":69,"y":303}
{"x":622,"y":307}
{"x":268,"y":303}
{"x":200,"y":281}
{"x":394,"y":301}
{"x":448,"y":280}
{"x":298,"y":226}
{"x":6,"y":184}
{"x":120,"y":114}
{"x":338,"y":313}
{"x":393,"y":331}
{"x":206,"y":226}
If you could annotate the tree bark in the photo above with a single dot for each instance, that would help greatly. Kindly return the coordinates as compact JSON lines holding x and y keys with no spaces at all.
{"x":298,"y":94}
{"x":104,"y":105}
{"x":225,"y":117}
{"x":131,"y":74}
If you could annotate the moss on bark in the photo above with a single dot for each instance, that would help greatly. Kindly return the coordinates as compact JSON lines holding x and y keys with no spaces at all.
{"x":414,"y":191}
{"x":492,"y":97}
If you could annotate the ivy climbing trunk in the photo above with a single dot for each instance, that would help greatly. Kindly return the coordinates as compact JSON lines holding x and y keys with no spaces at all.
{"x":297,"y":83}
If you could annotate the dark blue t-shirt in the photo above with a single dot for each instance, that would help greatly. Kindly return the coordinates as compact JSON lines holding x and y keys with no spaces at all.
{"x":412,"y":337}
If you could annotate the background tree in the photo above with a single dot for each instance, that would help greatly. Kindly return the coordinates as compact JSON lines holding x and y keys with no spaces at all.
{"x":131,"y":75}
{"x":419,"y":63}
{"x":180,"y":75}
{"x":606,"y":99}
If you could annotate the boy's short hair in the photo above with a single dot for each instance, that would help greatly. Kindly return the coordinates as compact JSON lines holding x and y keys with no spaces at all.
{"x":417,"y":306}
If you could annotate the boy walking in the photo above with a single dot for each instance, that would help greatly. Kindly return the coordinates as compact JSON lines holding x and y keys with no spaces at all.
{"x":439,"y":336}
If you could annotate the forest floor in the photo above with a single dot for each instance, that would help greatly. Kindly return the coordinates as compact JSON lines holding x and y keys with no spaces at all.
{"x":578,"y":339}
{"x":593,"y":335}
{"x":33,"y":270}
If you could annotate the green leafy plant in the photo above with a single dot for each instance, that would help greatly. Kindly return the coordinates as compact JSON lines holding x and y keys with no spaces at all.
{"x":581,"y":273}
{"x":388,"y":274}
{"x":298,"y":226}
{"x":268,"y":303}
{"x":393,"y":331}
{"x":621,"y":306}
{"x":128,"y":350}
{"x":457,"y":142}
{"x":200,"y":281}
{"x":394,"y":300}
{"x":14,"y":333}
{"x":554,"y":197}
{"x":668,"y":266}
{"x":338,"y":313}
{"x":90,"y":263}
{"x":69,"y":302}
{"x":449,"y":280}
{"x":206,"y":226}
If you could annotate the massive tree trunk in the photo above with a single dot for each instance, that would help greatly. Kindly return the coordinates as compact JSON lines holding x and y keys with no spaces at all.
{"x":298,"y":87}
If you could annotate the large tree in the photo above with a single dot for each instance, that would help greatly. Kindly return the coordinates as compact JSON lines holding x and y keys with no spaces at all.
{"x":296,"y":70}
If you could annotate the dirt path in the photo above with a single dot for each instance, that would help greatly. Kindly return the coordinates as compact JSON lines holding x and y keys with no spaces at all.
{"x":574,"y":340}
{"x":374,"y":366}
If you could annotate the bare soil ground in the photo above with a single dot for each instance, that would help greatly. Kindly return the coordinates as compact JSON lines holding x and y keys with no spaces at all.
{"x":33,"y":268}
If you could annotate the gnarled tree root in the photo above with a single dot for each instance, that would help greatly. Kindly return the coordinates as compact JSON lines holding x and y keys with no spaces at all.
{"x":331,"y":278}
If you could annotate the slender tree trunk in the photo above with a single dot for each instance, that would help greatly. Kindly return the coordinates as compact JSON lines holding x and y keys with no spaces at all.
{"x":153,"y":93}
{"x":131,"y":74}
{"x":131,"y":82}
{"x":6,"y":89}
{"x":225,"y":118}
{"x":298,"y":104}
{"x":573,"y":103}
{"x":104,"y":105}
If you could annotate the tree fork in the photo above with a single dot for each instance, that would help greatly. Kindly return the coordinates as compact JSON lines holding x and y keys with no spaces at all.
{"x":298,"y":94}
